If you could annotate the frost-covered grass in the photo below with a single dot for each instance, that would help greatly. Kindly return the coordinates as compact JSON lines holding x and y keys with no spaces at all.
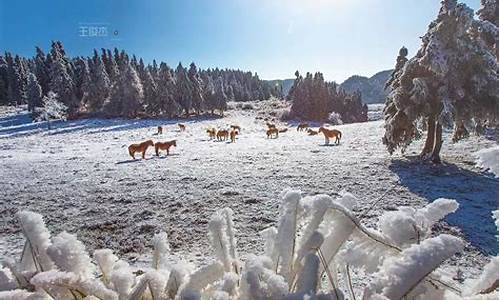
{"x":310,"y":254}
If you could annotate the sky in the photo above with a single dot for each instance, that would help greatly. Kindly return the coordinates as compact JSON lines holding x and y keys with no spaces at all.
{"x":271,"y":37}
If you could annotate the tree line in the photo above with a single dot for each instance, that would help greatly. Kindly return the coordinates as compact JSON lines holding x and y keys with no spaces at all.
{"x":115,"y":84}
{"x":316,"y":99}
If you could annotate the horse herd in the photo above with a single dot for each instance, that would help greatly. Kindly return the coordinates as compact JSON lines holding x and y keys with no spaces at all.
{"x":224,"y":134}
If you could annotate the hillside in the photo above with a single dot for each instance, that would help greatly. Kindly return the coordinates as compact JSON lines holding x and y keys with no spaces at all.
{"x":372,"y":89}
{"x":286,"y":83}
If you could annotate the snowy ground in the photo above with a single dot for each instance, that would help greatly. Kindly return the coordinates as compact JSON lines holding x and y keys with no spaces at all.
{"x":82,"y":180}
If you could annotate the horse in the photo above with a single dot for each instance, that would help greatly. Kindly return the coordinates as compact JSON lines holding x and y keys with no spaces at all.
{"x":272,"y":131}
{"x":233,"y":135}
{"x":212,"y":133}
{"x":222,"y":135}
{"x":302,"y":126}
{"x":182,"y":127}
{"x":331,"y":133}
{"x":141,"y":147}
{"x":164,"y":146}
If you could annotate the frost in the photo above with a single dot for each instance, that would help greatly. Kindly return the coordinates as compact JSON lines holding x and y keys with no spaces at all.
{"x":317,"y":241}
{"x":399,"y":276}
{"x":69,"y":254}
{"x":488,"y":159}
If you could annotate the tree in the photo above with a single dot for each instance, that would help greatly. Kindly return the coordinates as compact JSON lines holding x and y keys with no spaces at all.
{"x":220,"y":96}
{"x":127,"y":94}
{"x":196,"y":88}
{"x":3,"y":81}
{"x":99,"y":88}
{"x":453,"y":78}
{"x":184,"y":89}
{"x":52,"y":109}
{"x":61,"y":78}
{"x":15,"y":86}
{"x":42,"y":70}
{"x":34,"y":92}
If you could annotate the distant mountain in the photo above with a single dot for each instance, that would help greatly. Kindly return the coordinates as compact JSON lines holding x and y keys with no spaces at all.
{"x":372,"y":89}
{"x":285,"y":83}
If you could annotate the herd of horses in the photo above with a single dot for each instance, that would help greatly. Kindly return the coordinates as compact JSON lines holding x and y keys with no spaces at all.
{"x":225,"y":134}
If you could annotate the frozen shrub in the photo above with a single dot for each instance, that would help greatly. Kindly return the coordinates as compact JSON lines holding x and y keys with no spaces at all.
{"x":318,"y":239}
{"x":335,"y":119}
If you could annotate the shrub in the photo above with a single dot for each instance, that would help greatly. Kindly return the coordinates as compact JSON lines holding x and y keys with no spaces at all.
{"x":315,"y":237}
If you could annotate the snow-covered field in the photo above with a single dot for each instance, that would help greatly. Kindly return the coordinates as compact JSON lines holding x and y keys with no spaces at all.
{"x":80,"y":177}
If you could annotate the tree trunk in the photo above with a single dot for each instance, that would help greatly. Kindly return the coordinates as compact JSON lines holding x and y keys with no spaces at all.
{"x":431,"y":133}
{"x":438,"y":142}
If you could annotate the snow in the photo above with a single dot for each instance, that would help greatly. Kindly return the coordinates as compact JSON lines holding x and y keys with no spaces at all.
{"x":80,"y":178}
{"x":488,"y":159}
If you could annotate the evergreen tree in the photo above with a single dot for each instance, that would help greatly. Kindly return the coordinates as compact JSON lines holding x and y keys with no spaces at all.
{"x":165,"y":103}
{"x":452,"y":79}
{"x":3,"y":81}
{"x":196,"y":88}
{"x":34,"y":92}
{"x":220,"y":96}
{"x":61,"y":79}
{"x":42,"y":70}
{"x":184,"y":89}
{"x":127,"y":93}
{"x":15,"y":86}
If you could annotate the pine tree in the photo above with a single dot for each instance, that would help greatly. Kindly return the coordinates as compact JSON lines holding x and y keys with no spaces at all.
{"x":127,"y":93}
{"x":100,"y":84}
{"x":34,"y":92}
{"x":165,"y":103}
{"x":452,"y":79}
{"x":196,"y":88}
{"x":15,"y":87}
{"x":220,"y":96}
{"x":42,"y":70}
{"x":61,"y":79}
{"x":3,"y":81}
{"x":184,"y":89}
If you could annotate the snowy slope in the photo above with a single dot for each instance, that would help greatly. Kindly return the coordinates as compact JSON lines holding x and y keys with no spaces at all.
{"x":82,"y":180}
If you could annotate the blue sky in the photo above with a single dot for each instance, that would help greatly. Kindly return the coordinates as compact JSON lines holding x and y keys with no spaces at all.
{"x":271,"y":37}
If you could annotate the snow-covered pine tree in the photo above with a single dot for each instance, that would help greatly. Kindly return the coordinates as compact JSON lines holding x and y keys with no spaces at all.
{"x":3,"y":81}
{"x":42,"y":70}
{"x":100,"y":84}
{"x":196,"y":88}
{"x":127,"y":94}
{"x":52,"y":109}
{"x":165,"y":103}
{"x":452,"y":78}
{"x":81,"y":79}
{"x":184,"y":89}
{"x":220,"y":96}
{"x":150,"y":92}
{"x":15,"y":85}
{"x":34,"y":92}
{"x":61,"y":78}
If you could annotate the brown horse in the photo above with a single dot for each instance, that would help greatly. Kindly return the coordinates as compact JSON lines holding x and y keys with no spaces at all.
{"x":160,"y":130}
{"x":164,"y":146}
{"x":272,"y":131}
{"x":312,"y":132}
{"x":233,"y":135}
{"x":182,"y":127}
{"x":331,"y":133}
{"x":222,"y":135}
{"x":212,"y":133}
{"x":142,"y":147}
{"x":302,"y":126}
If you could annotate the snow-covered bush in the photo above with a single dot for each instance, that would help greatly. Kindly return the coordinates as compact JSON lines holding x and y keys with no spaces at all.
{"x":310,"y":253}
{"x":488,"y":159}
{"x":52,"y":109}
{"x":335,"y":119}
